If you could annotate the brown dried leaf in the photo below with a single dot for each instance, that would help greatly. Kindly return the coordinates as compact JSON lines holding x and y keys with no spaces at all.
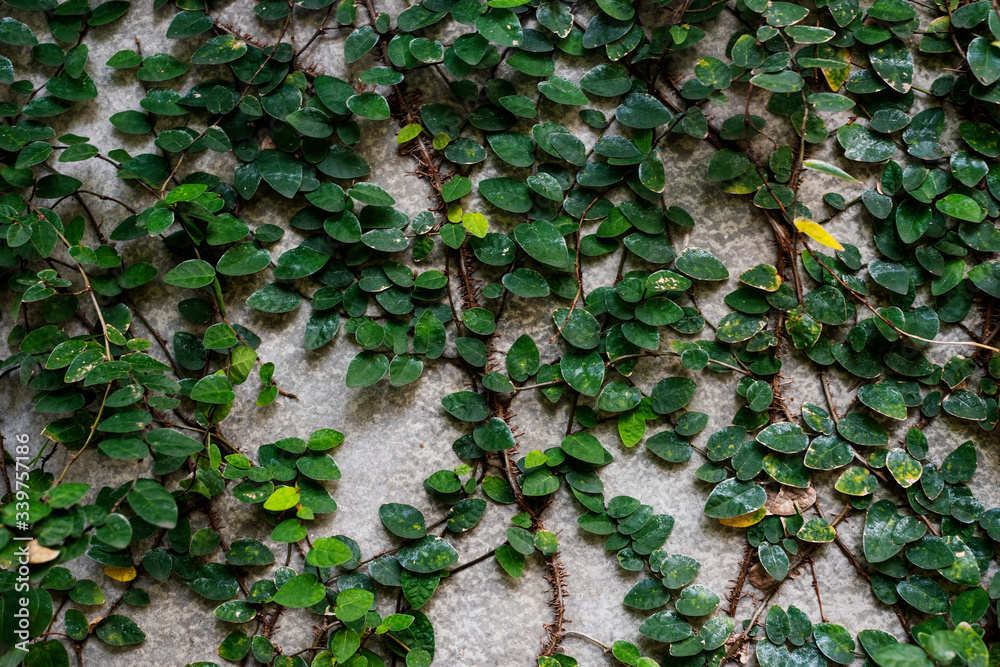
{"x":760,"y":579}
{"x":786,"y":500}
{"x":39,"y":554}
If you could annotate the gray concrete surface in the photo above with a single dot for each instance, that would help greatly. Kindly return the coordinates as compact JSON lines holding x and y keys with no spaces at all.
{"x":397,"y":437}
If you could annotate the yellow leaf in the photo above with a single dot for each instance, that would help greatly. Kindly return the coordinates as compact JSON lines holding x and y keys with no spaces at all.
{"x":475,"y":223}
{"x":817,"y":233}
{"x":440,"y":141}
{"x":120,"y":573}
{"x":409,"y":132}
{"x":455,"y":213}
{"x":745,"y":520}
{"x":836,"y":76}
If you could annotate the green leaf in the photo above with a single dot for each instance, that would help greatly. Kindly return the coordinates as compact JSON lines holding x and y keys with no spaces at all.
{"x":369,"y":105}
{"x":983,"y":57}
{"x":215,"y":389}
{"x":647,"y":594}
{"x":246,"y":551}
{"x":281,"y":171}
{"x":893,"y":62}
{"x":353,"y":604}
{"x":835,"y":642}
{"x":160,"y":67}
{"x":857,"y":482}
{"x":816,"y":530}
{"x":862,"y":145}
{"x":153,"y":503}
{"x":672,"y":394}
{"x":328,"y":552}
{"x":732,"y":498}
{"x":861,"y":429}
{"x":901,"y":655}
{"x":666,"y":627}
{"x":402,"y":520}
{"x":774,"y":560}
{"x":188,"y":24}
{"x":578,"y":327}
{"x":583,"y":372}
{"x":783,"y":437}
{"x":219,"y":50}
{"x":584,"y":447}
{"x":427,"y":555}
{"x":466,"y":405}
{"x":884,"y":399}
{"x":172,"y":443}
{"x":243,"y":259}
{"x":507,"y":194}
{"x":641,"y":111}
{"x":782,"y":82}
{"x":541,"y":239}
{"x":880,"y":523}
{"x":701,"y":264}
{"x":828,"y":169}
{"x":923,"y":594}
{"x":697,"y":600}
{"x":510,"y":560}
{"x":192,"y":273}
{"x":15,"y":33}
{"x":562,"y":91}
{"x":494,"y":436}
{"x":726,"y":164}
{"x":982,"y":138}
{"x":359,"y":42}
{"x":500,"y":26}
{"x":67,"y":88}
{"x":961,"y":207}
{"x":235,"y":611}
{"x":366,"y":369}
{"x":310,"y":122}
{"x":118,"y":630}
{"x":606,"y":80}
{"x":385,"y":240}
{"x":274,"y":298}
{"x":302,"y":590}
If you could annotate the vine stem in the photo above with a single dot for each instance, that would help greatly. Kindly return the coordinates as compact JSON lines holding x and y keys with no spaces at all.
{"x":737,"y":589}
{"x":246,"y":91}
{"x":579,"y":274}
{"x":580,"y":635}
{"x":859,"y":569}
{"x":819,"y":600}
{"x":474,"y":561}
{"x":743,"y":636}
{"x":90,"y":436}
{"x":86,"y":281}
{"x":879,"y":315}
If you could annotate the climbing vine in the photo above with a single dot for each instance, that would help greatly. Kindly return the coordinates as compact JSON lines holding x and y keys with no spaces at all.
{"x":544,"y":151}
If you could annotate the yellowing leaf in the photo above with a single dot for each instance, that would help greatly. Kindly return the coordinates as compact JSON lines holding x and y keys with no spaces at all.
{"x":817,"y":233}
{"x":745,"y":520}
{"x":120,"y":573}
{"x":475,"y":223}
{"x":441,"y":141}
{"x":455,"y":213}
{"x":409,"y":132}
{"x":836,"y":76}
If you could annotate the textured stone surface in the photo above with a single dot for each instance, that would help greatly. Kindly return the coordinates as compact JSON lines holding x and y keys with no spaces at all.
{"x":397,"y":437}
